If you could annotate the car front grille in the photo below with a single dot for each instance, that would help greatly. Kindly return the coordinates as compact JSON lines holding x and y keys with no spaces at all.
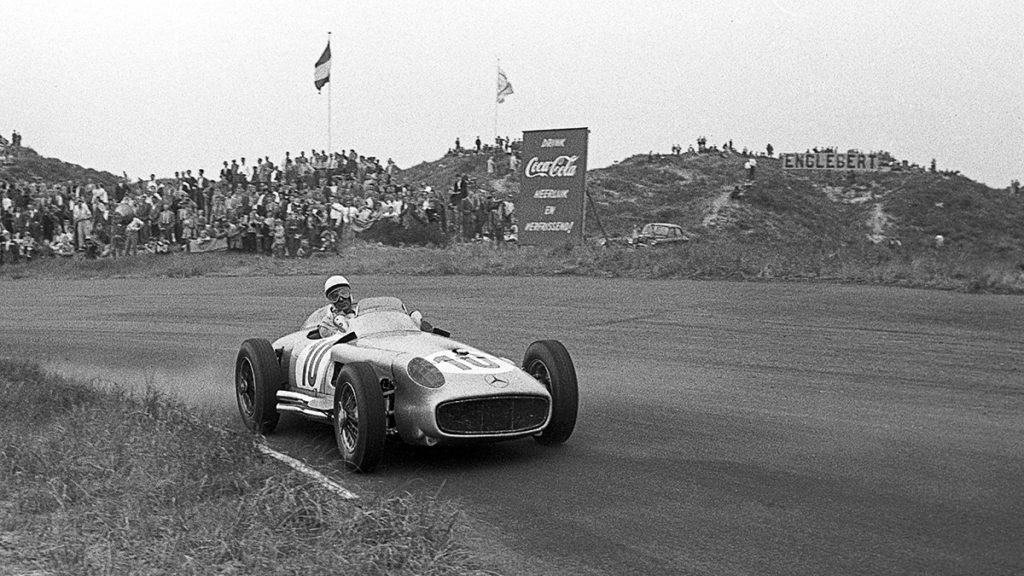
{"x":492,"y":415}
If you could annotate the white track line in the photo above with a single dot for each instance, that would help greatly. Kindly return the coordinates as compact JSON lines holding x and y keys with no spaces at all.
{"x":300,"y":467}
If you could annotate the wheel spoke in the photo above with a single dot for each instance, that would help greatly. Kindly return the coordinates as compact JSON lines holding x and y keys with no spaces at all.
{"x":349,"y":430}
{"x":247,"y":388}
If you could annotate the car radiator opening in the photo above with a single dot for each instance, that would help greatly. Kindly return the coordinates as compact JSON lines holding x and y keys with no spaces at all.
{"x":492,"y":415}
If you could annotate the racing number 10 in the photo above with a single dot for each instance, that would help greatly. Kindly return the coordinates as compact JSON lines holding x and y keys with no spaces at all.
{"x":466,"y":362}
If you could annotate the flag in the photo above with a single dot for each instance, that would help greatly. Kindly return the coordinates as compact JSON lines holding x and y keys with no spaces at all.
{"x":504,"y":86}
{"x":322,"y":71}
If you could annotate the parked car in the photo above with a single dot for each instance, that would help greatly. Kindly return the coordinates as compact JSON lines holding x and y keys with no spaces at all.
{"x":660,"y":233}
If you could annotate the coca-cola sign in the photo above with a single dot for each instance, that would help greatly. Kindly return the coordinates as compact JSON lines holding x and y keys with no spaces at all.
{"x":561,"y":167}
{"x":552,"y":180}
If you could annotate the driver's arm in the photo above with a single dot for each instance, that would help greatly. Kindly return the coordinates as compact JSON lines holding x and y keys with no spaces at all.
{"x":332,"y":324}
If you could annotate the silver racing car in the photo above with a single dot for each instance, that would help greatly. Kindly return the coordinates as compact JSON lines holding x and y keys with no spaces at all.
{"x":387,"y":377}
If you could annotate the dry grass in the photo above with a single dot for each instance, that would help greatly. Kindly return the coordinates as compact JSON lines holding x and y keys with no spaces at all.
{"x":94,"y":481}
{"x":716,"y":255}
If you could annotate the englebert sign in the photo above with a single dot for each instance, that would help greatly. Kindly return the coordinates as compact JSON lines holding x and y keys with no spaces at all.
{"x":830,"y":161}
{"x":551,"y":203}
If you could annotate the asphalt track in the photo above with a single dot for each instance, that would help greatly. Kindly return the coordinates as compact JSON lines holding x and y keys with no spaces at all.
{"x":725,"y":428}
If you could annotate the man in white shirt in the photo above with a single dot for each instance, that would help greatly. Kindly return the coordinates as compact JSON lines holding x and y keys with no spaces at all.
{"x":83,"y":223}
{"x":132,"y":232}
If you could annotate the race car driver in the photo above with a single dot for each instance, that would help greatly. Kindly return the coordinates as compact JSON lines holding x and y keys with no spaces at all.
{"x":339,"y":293}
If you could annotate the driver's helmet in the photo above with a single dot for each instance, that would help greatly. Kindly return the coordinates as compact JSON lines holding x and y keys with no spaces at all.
{"x":337,"y":288}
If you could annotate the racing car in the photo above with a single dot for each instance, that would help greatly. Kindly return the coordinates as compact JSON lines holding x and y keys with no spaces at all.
{"x":390,"y":375}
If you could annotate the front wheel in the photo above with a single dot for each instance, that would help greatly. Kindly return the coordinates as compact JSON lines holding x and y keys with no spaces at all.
{"x":257,"y":379}
{"x":359,"y":419}
{"x":550,"y":364}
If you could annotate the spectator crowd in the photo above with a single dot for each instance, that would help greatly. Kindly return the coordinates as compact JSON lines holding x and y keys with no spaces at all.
{"x":301,"y":206}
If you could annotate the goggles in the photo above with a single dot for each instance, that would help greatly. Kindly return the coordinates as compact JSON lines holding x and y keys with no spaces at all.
{"x":339,"y":293}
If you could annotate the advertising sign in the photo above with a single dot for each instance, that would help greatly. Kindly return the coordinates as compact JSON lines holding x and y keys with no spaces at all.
{"x":830,"y":161}
{"x":552,"y":183}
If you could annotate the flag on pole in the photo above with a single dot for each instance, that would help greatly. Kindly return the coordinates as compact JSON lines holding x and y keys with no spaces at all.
{"x":322,"y":71}
{"x":504,"y":86}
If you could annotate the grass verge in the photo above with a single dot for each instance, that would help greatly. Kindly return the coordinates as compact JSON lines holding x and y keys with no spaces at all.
{"x":713,"y":258}
{"x":98,"y":481}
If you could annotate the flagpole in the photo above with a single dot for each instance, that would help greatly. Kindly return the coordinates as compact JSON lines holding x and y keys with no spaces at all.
{"x":329,"y":87}
{"x":496,"y":73}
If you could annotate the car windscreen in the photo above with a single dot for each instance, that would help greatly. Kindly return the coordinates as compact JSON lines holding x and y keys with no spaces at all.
{"x":383,"y":321}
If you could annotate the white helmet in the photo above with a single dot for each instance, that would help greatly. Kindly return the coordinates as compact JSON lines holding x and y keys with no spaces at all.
{"x":333,"y":282}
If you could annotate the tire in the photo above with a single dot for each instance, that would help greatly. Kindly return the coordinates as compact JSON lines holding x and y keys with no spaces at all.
{"x":549,"y":362}
{"x":257,"y":379}
{"x":359,"y":420}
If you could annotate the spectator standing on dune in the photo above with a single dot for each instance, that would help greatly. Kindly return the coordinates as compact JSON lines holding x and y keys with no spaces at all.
{"x":142,"y":210}
{"x":242,"y":173}
{"x":233,"y":176}
{"x":166,"y":222}
{"x":219,"y":209}
{"x":265,"y":236}
{"x":49,"y":219}
{"x":120,"y":191}
{"x":181,"y":212}
{"x":9,"y":245}
{"x":116,"y":231}
{"x":6,"y":204}
{"x":190,"y":183}
{"x":199,"y":193}
{"x":83,"y":223}
{"x":263,"y":170}
{"x":208,"y":194}
{"x":99,"y":195}
{"x":225,"y":173}
{"x":30,"y":221}
{"x":467,"y":213}
{"x":131,"y":233}
{"x":279,"y":236}
{"x":188,"y":229}
{"x":156,"y":202}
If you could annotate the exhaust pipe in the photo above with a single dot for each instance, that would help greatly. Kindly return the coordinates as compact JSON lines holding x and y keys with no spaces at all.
{"x":307,"y":412}
{"x":298,"y":403}
{"x":293,"y":396}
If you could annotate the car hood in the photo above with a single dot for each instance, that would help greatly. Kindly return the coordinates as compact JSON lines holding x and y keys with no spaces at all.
{"x":450,"y":356}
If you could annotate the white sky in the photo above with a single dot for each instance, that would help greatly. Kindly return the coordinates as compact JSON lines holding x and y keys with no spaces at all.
{"x":162,"y":86}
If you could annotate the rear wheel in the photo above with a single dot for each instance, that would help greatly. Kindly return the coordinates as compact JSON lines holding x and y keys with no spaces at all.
{"x":359,"y":418}
{"x":549,"y":362}
{"x":257,"y":379}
